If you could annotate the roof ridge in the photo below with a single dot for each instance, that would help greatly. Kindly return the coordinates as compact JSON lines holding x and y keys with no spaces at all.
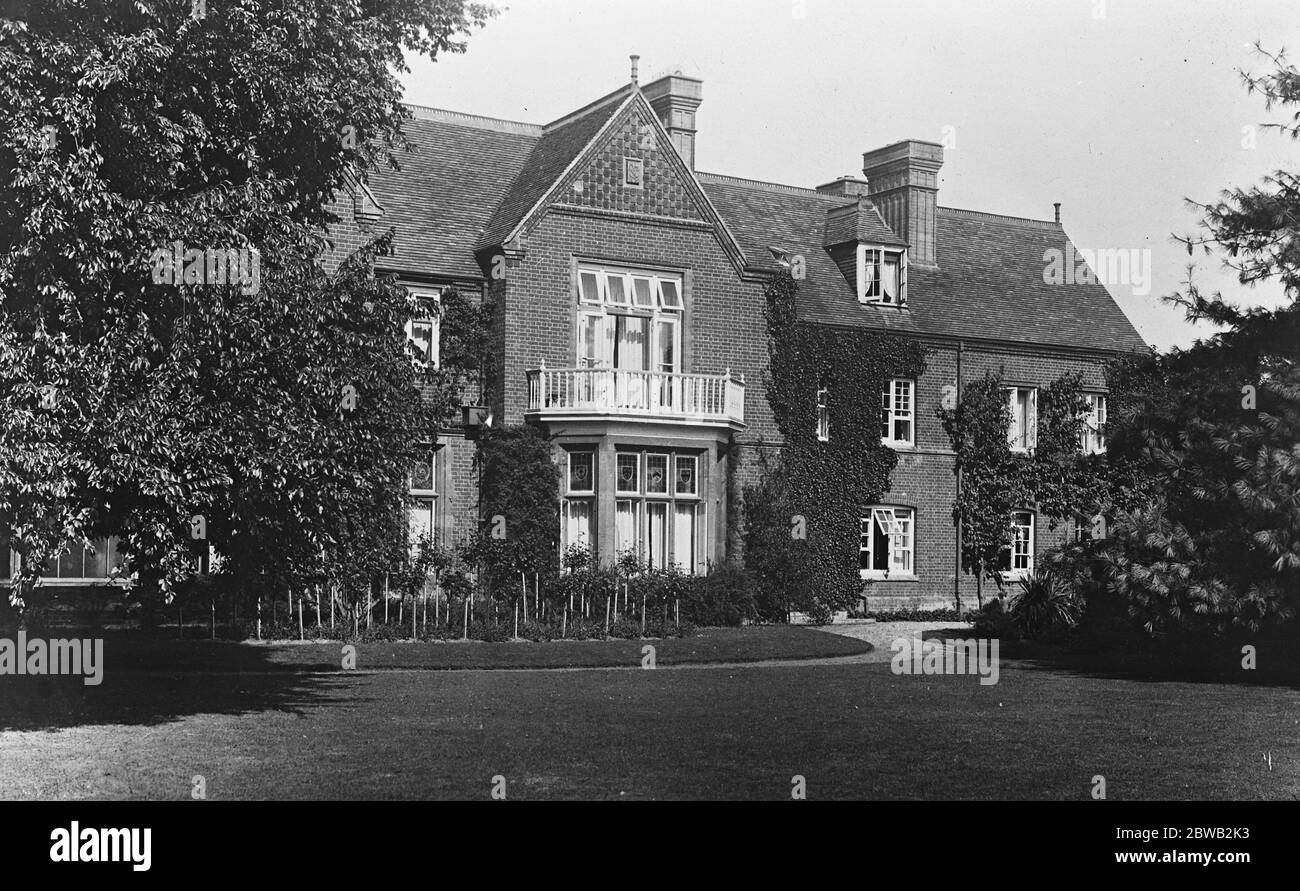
{"x":768,"y":186}
{"x":1044,"y":224}
{"x":482,"y":122}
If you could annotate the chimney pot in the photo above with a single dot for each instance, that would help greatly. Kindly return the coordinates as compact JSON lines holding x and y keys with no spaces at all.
{"x":1057,"y":205}
{"x":635,"y":58}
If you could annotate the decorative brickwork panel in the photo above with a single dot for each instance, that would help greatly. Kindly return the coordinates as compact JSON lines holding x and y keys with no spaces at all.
{"x":661,"y":192}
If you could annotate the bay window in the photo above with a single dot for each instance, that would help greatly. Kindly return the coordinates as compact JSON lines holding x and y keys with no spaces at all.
{"x":658,"y":511}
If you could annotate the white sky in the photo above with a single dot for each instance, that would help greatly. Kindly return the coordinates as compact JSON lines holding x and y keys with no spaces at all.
{"x":1119,"y":117}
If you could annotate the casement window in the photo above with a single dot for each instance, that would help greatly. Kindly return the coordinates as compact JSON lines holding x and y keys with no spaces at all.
{"x":1092,"y":436}
{"x":82,"y":563}
{"x":629,"y":320}
{"x":1022,"y":433}
{"x":1017,"y":558}
{"x":658,"y":512}
{"x":422,"y":504}
{"x":898,"y":414}
{"x":882,"y":276}
{"x":887,"y":542}
{"x":823,"y":415}
{"x":422,"y":331}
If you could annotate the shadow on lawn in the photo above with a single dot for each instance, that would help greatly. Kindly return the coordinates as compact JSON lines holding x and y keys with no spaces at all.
{"x":1137,"y":666}
{"x":136,"y":689}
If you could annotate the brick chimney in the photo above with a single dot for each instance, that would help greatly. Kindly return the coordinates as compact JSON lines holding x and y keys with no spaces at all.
{"x":675,"y":98}
{"x":904,"y":186}
{"x":847,"y":187}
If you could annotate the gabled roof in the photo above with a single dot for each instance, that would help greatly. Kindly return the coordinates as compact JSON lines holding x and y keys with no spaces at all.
{"x":475,"y":183}
{"x":445,"y":193}
{"x":560,"y":145}
{"x":988,"y":284}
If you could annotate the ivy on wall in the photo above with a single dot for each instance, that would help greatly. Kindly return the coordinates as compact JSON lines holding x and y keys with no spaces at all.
{"x":1056,"y":479}
{"x":802,"y":538}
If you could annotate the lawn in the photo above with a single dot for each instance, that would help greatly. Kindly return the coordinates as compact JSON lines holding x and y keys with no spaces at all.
{"x":709,"y":645}
{"x":853,"y":731}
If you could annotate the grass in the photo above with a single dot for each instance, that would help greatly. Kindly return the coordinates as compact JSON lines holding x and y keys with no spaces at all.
{"x":710,"y":645}
{"x":854,"y":731}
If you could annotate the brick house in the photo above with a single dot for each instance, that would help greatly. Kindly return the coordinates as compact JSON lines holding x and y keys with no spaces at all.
{"x":630,"y":288}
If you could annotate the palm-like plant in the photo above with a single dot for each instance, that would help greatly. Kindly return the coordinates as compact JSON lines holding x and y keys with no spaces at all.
{"x":1043,"y":604}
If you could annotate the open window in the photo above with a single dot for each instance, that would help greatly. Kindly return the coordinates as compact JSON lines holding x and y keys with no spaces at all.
{"x":1017,"y":557}
{"x":886,"y":546}
{"x":1022,"y":433}
{"x":882,"y":276}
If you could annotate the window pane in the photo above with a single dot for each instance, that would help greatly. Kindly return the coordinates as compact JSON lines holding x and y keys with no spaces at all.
{"x":420,"y":339}
{"x":625,"y":526}
{"x":628,"y":472}
{"x":423,"y":474}
{"x":656,"y":541}
{"x":589,"y":285}
{"x":641,"y":293}
{"x":656,"y":474}
{"x":866,"y":527}
{"x":686,"y":476}
{"x":669,"y":294}
{"x":902,"y":430}
{"x":615,"y":289}
{"x":889,"y":279}
{"x":684,"y":536}
{"x":582,"y":477}
{"x":419,"y":517}
{"x":577,"y":522}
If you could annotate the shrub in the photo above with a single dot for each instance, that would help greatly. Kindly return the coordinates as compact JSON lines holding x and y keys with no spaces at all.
{"x":992,"y":621}
{"x":537,"y":631}
{"x":723,"y":597}
{"x":628,"y":629}
{"x":1043,"y":605}
{"x":488,"y":631}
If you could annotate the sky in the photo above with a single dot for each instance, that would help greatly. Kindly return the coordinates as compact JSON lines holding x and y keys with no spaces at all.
{"x":1122,"y":110}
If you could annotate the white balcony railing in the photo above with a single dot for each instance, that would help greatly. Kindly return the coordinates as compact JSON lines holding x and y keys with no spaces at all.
{"x":694,"y":398}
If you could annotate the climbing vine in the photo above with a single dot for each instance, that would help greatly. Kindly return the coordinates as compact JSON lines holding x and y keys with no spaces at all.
{"x":1055,"y":478}
{"x":803,"y":536}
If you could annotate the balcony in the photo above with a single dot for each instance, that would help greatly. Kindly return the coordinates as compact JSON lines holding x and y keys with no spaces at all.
{"x":697,"y":399}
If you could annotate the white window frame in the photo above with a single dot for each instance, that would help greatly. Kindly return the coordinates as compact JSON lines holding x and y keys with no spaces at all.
{"x":1022,"y":441}
{"x":888,"y":518}
{"x":1013,"y":573}
{"x":618,"y":490}
{"x":433,"y":320}
{"x":890,"y":411}
{"x":1092,"y":438}
{"x":111,"y":560}
{"x":664,"y":314}
{"x":871,"y":260}
{"x":823,"y":415}
{"x":568,"y":473}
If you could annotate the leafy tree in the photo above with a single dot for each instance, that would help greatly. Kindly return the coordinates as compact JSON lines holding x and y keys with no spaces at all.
{"x":130,"y":405}
{"x":1219,"y":425}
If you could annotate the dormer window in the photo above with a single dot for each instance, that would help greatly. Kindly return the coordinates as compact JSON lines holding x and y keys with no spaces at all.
{"x":882,"y":276}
